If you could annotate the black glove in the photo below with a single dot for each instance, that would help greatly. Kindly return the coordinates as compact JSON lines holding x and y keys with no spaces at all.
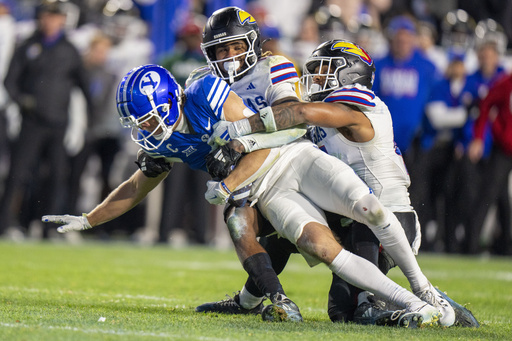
{"x":152,"y":167}
{"x":220,"y":162}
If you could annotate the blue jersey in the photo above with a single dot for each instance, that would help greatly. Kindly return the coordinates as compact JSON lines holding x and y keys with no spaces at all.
{"x":405,"y":88}
{"x":204,"y":106}
{"x":442,"y":93}
{"x":476,"y":88}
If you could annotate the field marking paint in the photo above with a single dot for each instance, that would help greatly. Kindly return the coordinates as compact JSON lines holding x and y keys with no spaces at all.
{"x":82,"y":293}
{"x":110,"y":332}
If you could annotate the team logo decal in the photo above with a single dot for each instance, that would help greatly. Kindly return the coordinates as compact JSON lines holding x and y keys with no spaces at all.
{"x":245,"y":17}
{"x":354,"y":50}
{"x":149,"y":82}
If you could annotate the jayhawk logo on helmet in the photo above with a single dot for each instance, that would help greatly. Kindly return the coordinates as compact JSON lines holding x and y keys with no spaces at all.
{"x":354,"y":50}
{"x":245,"y":17}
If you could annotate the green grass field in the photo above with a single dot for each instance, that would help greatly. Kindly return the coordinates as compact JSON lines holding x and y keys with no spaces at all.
{"x":57,"y":291}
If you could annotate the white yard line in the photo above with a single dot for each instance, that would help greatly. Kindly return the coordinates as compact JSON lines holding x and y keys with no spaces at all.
{"x":111,"y":332}
{"x":82,"y":293}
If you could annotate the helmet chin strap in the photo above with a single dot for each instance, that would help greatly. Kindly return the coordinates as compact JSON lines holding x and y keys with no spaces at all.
{"x":231,"y":67}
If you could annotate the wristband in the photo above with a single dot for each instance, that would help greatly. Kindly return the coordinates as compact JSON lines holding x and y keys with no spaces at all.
{"x":225,"y":187}
{"x":267,"y":116}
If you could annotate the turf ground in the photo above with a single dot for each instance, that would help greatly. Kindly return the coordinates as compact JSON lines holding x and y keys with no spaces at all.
{"x":57,"y":291}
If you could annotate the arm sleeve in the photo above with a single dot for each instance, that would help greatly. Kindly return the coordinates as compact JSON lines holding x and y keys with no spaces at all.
{"x":441,"y":116}
{"x":258,"y":141}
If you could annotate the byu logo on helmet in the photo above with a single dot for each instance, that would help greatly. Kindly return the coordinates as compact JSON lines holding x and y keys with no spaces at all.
{"x":354,"y":50}
{"x":149,"y":82}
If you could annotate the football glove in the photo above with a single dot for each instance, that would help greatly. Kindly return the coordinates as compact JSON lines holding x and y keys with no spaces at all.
{"x":221,"y":162}
{"x":217,"y":193}
{"x":225,"y":131}
{"x":71,"y":223}
{"x":152,"y":167}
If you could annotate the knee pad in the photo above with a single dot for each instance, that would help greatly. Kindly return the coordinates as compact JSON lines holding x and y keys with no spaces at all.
{"x":369,"y":211}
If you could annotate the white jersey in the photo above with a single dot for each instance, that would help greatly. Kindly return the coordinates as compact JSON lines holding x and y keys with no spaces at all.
{"x":378,"y":162}
{"x":271,"y":79}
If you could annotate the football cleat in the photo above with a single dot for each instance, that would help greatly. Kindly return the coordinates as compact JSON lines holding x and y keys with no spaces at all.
{"x":430,"y":315}
{"x":463,"y":317}
{"x":434,"y":298}
{"x":372,"y":314}
{"x":281,"y":309}
{"x":230,"y":305}
{"x":407,"y":320}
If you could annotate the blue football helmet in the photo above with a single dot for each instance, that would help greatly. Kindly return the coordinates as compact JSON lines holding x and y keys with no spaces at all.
{"x":147,"y":92}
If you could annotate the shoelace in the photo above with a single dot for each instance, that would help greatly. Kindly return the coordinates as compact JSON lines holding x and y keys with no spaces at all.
{"x":434,"y":300}
{"x":396,"y":314}
{"x":228,"y":300}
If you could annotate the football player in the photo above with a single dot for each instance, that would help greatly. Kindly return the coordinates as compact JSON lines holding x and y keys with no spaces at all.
{"x":172,"y":126}
{"x":233,"y":49}
{"x":355,"y":127}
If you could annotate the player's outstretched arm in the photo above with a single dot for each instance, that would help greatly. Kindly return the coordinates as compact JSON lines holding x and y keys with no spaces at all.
{"x":288,"y":115}
{"x":328,"y":115}
{"x":126,"y":196}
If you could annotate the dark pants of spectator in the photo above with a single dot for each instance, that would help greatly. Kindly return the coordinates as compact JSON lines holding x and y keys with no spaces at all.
{"x":429,"y":190}
{"x":106,"y":149}
{"x":184,"y":205}
{"x":493,"y":190}
{"x":38,"y":151}
{"x":463,"y":186}
{"x":4,"y":145}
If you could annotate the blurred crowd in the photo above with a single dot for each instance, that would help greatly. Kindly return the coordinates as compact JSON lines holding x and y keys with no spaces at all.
{"x":63,"y":149}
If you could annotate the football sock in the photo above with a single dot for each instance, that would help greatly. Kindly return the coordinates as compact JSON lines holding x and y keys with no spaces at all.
{"x":248,"y":300}
{"x":363,"y":274}
{"x":394,"y":241}
{"x":391,"y":235}
{"x":259,"y":267}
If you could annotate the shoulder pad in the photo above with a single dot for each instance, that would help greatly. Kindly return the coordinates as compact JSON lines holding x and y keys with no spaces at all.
{"x":356,"y":95}
{"x":282,"y":70}
{"x":198,"y":73}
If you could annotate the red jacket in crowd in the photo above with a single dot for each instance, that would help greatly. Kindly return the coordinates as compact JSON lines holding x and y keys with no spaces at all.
{"x":499,"y":97}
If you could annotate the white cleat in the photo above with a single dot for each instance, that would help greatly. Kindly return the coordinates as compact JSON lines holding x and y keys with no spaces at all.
{"x":429,"y":315}
{"x":434,"y":298}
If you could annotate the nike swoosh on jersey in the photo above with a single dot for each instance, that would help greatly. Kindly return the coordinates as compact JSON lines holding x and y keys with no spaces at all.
{"x":209,"y":126}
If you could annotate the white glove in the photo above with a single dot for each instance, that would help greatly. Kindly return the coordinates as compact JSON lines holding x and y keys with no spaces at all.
{"x":225,"y":131}
{"x":72,"y":223}
{"x":221,"y":133}
{"x":217,"y":193}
